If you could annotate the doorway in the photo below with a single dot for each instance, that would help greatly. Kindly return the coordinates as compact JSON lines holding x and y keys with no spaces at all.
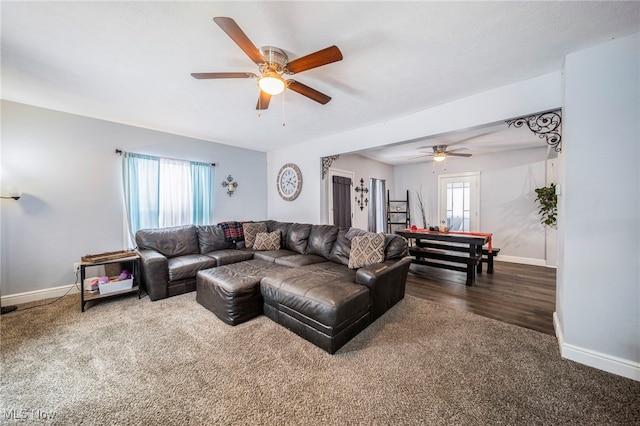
{"x":339,"y":197}
{"x":459,"y":201}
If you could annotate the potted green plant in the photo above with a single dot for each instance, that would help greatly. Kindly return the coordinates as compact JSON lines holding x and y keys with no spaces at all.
{"x":548,"y":202}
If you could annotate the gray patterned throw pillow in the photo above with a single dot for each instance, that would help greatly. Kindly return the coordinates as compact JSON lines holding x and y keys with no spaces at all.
{"x":267,"y":241}
{"x":250,"y":230}
{"x":366,"y":250}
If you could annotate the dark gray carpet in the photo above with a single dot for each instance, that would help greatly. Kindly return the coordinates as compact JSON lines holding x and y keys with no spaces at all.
{"x":130,"y":361}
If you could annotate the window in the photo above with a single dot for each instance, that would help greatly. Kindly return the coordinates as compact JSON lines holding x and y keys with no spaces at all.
{"x":459,"y":199}
{"x":162,"y":192}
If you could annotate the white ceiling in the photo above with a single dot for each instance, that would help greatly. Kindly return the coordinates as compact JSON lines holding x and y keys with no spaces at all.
{"x":489,"y":139}
{"x":130,"y":62}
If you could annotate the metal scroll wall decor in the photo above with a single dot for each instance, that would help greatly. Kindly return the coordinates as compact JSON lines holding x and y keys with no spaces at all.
{"x":546,"y":125}
{"x":362,"y":201}
{"x":230,"y":185}
{"x":326,"y":163}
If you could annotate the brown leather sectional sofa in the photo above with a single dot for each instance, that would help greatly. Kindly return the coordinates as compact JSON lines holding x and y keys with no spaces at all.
{"x":305,"y":285}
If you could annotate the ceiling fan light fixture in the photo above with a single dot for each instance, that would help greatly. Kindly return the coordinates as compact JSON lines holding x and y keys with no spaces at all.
{"x":440,"y":156}
{"x":271,"y":83}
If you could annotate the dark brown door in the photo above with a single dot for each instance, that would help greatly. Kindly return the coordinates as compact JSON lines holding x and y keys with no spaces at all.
{"x":342,"y":201}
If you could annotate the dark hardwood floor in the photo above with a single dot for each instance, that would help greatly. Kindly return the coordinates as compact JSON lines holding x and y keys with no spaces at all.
{"x":523,"y":295}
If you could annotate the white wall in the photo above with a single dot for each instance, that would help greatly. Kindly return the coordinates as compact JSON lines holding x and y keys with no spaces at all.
{"x":507,"y":198}
{"x":538,"y":94}
{"x":71,"y":178}
{"x":598,"y":299}
{"x":364,"y":168}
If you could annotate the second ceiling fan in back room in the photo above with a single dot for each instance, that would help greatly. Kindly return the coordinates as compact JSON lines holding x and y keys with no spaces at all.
{"x":273,"y":64}
{"x":440,"y":153}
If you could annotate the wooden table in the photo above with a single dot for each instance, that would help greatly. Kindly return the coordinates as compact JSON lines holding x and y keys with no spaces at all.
{"x":131,"y":262}
{"x":457,"y":252}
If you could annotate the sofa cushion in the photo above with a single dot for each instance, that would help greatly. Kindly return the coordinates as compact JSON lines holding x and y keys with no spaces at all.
{"x":241,"y":275}
{"x":170,"y":242}
{"x":272,"y":255}
{"x":329,"y":271}
{"x":267,"y":241}
{"x":355,"y":232}
{"x":325,"y":304}
{"x":321,"y":240}
{"x":228,"y":256}
{"x":283,"y":227}
{"x":341,"y":248}
{"x":251,"y":229}
{"x":395,"y":247}
{"x":366,"y":250}
{"x":298,"y":237}
{"x":298,"y":260}
{"x":187,"y":266}
{"x":211,"y":237}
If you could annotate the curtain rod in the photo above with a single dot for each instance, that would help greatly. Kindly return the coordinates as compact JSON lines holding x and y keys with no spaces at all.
{"x":119,"y":152}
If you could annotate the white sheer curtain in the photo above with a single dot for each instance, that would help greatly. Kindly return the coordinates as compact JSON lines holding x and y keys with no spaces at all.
{"x":162,"y":192}
{"x":176,"y":189}
{"x":377,"y":206}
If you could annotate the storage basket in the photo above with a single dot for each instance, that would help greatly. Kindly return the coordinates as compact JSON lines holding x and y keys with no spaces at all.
{"x":112,"y":287}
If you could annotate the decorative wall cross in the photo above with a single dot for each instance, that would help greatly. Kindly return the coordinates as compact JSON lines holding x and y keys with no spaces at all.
{"x":230,"y":185}
{"x":362,"y":201}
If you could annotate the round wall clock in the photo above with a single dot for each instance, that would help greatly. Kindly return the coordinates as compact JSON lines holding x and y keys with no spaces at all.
{"x":289,"y":182}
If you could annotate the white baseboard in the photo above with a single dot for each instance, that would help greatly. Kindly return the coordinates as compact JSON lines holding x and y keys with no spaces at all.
{"x":32,"y":296}
{"x":604,"y":362}
{"x":558,"y":329}
{"x":522,"y":260}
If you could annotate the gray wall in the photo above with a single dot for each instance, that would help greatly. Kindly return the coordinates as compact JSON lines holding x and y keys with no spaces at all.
{"x":71,"y":178}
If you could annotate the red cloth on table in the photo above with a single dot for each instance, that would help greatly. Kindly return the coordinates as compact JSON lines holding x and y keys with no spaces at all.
{"x":480,"y":234}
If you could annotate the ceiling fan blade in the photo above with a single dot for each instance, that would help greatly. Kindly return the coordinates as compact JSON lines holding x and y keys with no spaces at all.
{"x":314,"y":60}
{"x":308,"y":92}
{"x":455,"y":154}
{"x":263,"y":100}
{"x":457,"y":150}
{"x":419,"y":156}
{"x":210,"y":75}
{"x":236,"y":34}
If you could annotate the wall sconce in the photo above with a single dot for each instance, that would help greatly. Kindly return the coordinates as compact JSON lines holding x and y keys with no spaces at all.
{"x":230,"y":185}
{"x":362,"y":190}
{"x":15,"y":194}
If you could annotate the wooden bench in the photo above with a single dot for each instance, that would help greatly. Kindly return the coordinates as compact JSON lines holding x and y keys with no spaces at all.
{"x":452,"y":256}
{"x":488,"y":259}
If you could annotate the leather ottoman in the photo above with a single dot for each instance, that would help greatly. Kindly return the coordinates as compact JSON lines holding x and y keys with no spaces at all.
{"x":232,"y":292}
{"x":325,"y":312}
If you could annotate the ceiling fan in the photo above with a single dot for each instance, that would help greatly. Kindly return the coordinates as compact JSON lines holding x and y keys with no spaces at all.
{"x":440,"y":153}
{"x":273,"y":63}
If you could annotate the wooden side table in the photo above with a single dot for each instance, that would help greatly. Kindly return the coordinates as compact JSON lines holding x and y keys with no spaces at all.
{"x":132,"y":263}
